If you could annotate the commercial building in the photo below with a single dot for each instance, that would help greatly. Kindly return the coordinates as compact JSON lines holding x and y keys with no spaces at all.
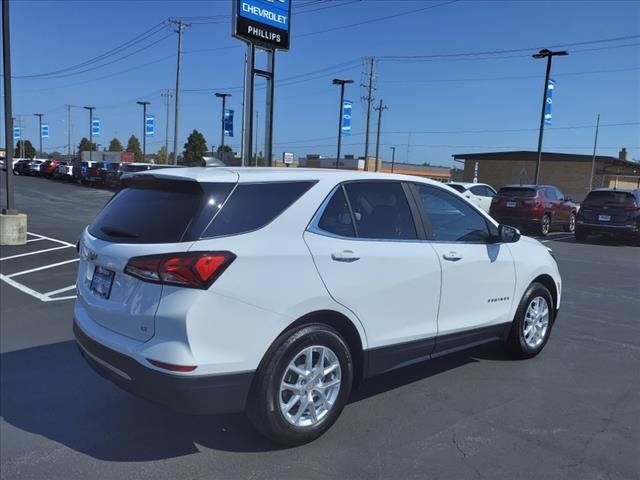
{"x":571,"y":173}
{"x":434,"y":172}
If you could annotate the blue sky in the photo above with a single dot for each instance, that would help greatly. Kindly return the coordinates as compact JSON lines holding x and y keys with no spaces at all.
{"x":433,"y":103}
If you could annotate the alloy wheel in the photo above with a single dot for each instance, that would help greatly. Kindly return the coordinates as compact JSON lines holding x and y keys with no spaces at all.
{"x":310,"y":386}
{"x":536,"y":322}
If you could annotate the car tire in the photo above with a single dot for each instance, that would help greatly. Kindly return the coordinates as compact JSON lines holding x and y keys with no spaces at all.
{"x":285,"y":415}
{"x":545,"y":225}
{"x":532,"y":323}
{"x":581,"y":235}
{"x":571,"y":226}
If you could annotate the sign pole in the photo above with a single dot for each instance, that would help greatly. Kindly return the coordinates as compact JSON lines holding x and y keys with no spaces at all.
{"x":247,"y":108}
{"x":268,"y":119}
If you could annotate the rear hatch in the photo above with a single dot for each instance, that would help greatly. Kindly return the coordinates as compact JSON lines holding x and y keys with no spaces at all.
{"x":152,"y":215}
{"x":609,"y":207}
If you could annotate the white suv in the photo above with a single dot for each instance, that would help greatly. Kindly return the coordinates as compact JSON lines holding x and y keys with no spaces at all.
{"x":275,"y":291}
{"x":480,"y":194}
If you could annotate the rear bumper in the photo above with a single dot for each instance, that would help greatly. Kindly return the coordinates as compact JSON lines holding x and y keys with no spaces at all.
{"x":633,"y":230}
{"x":189,"y":394}
{"x":516,"y":221}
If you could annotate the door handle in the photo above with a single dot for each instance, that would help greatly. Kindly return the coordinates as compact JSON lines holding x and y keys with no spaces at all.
{"x":347,"y":256}
{"x":452,"y":256}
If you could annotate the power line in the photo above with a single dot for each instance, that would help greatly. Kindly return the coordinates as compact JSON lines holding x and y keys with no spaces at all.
{"x":500,"y":52}
{"x":114,"y":51}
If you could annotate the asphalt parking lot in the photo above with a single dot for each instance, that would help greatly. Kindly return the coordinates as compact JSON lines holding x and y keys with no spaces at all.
{"x":571,"y":413}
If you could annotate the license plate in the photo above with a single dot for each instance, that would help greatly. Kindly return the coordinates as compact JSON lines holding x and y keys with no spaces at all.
{"x":604,"y":218}
{"x":101,"y":282}
{"x":511,"y":204}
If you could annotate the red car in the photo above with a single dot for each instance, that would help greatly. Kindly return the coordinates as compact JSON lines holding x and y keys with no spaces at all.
{"x":537,"y":208}
{"x":48,"y":168}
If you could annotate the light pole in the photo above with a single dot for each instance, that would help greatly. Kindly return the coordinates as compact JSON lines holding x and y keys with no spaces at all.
{"x":548,"y":54}
{"x":39,"y":115}
{"x":342,"y":83}
{"x":223,"y":96}
{"x":91,"y":109}
{"x":144,"y":129}
{"x":393,"y":157}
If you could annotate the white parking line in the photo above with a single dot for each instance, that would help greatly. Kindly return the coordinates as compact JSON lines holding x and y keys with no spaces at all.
{"x":37,"y":269}
{"x":557,"y":238}
{"x":44,"y":297}
{"x":60,"y":290}
{"x":35,"y":253}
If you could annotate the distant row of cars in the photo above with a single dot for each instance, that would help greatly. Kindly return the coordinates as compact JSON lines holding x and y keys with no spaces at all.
{"x":541,"y":208}
{"x":98,"y":174}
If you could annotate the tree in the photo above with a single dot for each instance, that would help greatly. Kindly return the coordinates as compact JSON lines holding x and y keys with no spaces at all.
{"x":227,"y":148}
{"x":133,"y":146}
{"x":85,"y":146}
{"x":195,"y":149}
{"x":115,"y":145}
{"x":55,"y":154}
{"x":25,"y":148}
{"x":161,"y":156}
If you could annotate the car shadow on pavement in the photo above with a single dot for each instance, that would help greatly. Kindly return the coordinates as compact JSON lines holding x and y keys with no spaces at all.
{"x":50,"y":391}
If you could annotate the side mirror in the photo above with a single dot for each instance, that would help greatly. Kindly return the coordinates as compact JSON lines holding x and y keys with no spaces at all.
{"x":507,"y":234}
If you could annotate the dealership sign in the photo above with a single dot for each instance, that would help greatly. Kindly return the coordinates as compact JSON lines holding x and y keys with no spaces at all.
{"x":265,"y":23}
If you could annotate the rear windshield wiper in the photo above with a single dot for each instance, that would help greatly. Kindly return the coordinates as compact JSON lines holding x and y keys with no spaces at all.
{"x":114,"y":232}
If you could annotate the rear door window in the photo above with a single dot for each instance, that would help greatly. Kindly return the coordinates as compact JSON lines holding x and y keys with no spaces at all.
{"x":251,"y":206}
{"x":159,"y":211}
{"x":381,"y":210}
{"x":336,"y":217}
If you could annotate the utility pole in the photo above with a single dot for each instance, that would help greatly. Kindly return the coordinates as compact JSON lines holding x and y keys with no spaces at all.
{"x":223,"y":96}
{"x":179,"y":31}
{"x":548,"y":54}
{"x":39,"y":115}
{"x":144,"y":129}
{"x":369,"y":99}
{"x":68,"y":131}
{"x":393,"y":157}
{"x":91,"y":109}
{"x":342,"y":83}
{"x":167,"y":95}
{"x":593,"y":160}
{"x":379,"y":109}
{"x":8,"y":119}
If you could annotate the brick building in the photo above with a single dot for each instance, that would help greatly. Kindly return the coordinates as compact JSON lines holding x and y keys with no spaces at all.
{"x":571,"y":173}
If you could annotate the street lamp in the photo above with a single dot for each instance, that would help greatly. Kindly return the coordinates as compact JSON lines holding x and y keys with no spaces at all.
{"x":144,"y":129}
{"x":39,"y":115}
{"x":91,"y":109}
{"x":223,"y":96}
{"x":393,"y":157}
{"x":548,"y":54}
{"x":342,"y":83}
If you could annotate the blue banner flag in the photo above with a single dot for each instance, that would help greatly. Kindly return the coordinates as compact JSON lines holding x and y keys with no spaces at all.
{"x":228,"y":123}
{"x":347,"y":107}
{"x":45,"y":130}
{"x":548,"y":102}
{"x":149,"y":125}
{"x":95,"y":127}
{"x":16,"y":133}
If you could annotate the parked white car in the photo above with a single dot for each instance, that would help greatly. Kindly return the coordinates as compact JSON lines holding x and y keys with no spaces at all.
{"x":276,"y":291}
{"x":479,"y":193}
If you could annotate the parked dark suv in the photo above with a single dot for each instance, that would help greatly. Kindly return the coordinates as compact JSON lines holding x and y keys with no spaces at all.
{"x":611,"y":212}
{"x":537,"y":208}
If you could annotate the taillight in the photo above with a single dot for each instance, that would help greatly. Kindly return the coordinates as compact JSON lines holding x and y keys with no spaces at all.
{"x":171,"y":367}
{"x":187,"y":269}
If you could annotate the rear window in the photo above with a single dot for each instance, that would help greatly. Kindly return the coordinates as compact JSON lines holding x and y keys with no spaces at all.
{"x":517,"y":192}
{"x":620,"y":198}
{"x":251,"y":206}
{"x":459,"y":188}
{"x":159,"y":211}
